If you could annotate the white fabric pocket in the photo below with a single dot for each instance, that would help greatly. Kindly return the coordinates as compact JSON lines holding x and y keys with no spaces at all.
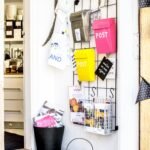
{"x":59,"y":51}
{"x":57,"y":58}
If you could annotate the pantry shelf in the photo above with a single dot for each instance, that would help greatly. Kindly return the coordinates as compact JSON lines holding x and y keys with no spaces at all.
{"x":8,"y":40}
{"x":10,"y":1}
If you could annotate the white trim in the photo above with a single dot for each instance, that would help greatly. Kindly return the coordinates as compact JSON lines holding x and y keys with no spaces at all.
{"x":13,"y":40}
{"x":128,"y":75}
{"x":27,"y":75}
{"x":31,"y":72}
{"x":1,"y":75}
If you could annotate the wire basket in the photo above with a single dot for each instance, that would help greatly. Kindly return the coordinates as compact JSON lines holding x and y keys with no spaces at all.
{"x":98,"y":117}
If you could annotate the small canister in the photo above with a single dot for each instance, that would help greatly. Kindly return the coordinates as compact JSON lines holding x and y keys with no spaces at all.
{"x":80,"y":25}
{"x":11,"y":12}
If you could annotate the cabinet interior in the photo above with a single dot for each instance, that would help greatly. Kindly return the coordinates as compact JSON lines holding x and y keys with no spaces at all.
{"x":13,"y":67}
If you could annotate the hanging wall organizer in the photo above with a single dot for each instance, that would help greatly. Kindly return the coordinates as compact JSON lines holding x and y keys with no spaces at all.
{"x":99,"y":94}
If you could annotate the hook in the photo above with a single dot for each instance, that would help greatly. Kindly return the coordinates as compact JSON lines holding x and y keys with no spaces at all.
{"x":107,"y":55}
{"x":111,"y":91}
{"x":76,"y":2}
{"x":93,"y":92}
{"x":80,"y":83}
{"x":102,"y":3}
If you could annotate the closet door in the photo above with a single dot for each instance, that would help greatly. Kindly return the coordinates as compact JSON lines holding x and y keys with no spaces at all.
{"x":145,"y":73}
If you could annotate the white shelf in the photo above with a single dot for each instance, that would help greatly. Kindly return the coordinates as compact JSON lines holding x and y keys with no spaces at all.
{"x":13,"y":75}
{"x":11,"y":40}
{"x":12,"y":1}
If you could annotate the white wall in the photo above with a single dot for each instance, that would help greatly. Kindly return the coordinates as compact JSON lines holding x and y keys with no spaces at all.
{"x":46,"y":83}
{"x":39,"y":78}
{"x":1,"y":74}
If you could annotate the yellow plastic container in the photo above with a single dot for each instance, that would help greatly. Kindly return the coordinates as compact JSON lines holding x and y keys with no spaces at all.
{"x":85,"y":62}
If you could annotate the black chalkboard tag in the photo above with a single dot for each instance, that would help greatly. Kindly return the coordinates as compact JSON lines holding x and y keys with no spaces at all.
{"x":104,"y":68}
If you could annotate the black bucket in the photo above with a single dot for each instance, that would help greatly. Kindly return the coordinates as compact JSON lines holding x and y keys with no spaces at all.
{"x":144,"y":3}
{"x":48,"y":138}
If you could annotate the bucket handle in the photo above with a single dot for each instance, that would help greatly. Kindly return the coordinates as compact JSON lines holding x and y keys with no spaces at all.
{"x":80,"y":139}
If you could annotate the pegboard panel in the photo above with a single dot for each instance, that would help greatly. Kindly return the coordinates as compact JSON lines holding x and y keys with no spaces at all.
{"x":99,"y":89}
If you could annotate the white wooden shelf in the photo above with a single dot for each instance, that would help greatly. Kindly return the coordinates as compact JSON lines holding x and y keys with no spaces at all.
{"x":13,"y":75}
{"x":11,"y":40}
{"x":12,"y":1}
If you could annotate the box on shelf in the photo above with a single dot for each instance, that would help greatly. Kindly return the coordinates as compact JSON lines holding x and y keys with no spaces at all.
{"x":14,"y":29}
{"x":17,"y":33}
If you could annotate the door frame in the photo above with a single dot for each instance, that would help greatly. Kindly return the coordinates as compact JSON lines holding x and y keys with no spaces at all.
{"x":1,"y":75}
{"x":27,"y":77}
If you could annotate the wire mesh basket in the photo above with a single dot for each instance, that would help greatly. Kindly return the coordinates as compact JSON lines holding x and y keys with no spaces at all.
{"x":98,"y":117}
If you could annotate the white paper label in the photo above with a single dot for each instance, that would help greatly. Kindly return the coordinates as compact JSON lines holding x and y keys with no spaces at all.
{"x":78,"y":34}
{"x":8,"y":32}
{"x":18,"y":23}
{"x":8,"y":23}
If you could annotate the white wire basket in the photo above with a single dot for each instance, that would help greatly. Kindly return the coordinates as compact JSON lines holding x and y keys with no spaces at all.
{"x":98,"y":117}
